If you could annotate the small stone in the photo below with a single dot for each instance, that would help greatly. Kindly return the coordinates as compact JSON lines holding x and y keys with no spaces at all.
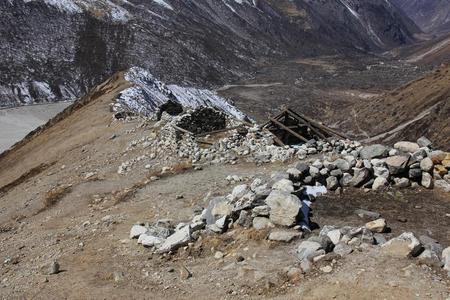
{"x":378,"y":225}
{"x":379,"y":183}
{"x":52,"y":268}
{"x":185,"y":273}
{"x":326,"y":269}
{"x":179,"y":239}
{"x":397,"y":164}
{"x":307,"y":250}
{"x":424,"y":142}
{"x":332,"y":183}
{"x":374,"y":151}
{"x":442,"y":185}
{"x":426,"y":165}
{"x":218,"y":255}
{"x":342,"y":249}
{"x":335,"y":236}
{"x":367,"y":214}
{"x":283,"y":236}
{"x":427,"y":180}
{"x":260,"y":223}
{"x":118,"y":276}
{"x":361,"y":176}
{"x":136,"y":231}
{"x":404,"y":245}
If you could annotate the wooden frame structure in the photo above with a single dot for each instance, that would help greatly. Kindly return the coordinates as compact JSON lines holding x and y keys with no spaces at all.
{"x":290,"y":127}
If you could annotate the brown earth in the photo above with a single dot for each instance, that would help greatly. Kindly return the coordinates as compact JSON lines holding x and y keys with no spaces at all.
{"x":53,"y":208}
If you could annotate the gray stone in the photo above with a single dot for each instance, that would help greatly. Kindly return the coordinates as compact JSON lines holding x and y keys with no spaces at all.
{"x":324,"y":172}
{"x":314,"y":172}
{"x":397,"y":164}
{"x":335,"y":236}
{"x":374,"y":151}
{"x":379,"y":183}
{"x":324,"y":241}
{"x":346,"y":179}
{"x":52,"y":268}
{"x":178,"y":239}
{"x":406,"y":146}
{"x":432,"y":245}
{"x":404,"y":245}
{"x":360,"y":177}
{"x":307,"y":250}
{"x":244,"y":219}
{"x":303,"y":168}
{"x":239,"y":191}
{"x":342,"y":249}
{"x":336,"y":173}
{"x":415,"y":174}
{"x":136,"y":231}
{"x":446,"y":259}
{"x":332,"y":183}
{"x":283,"y":235}
{"x":424,"y":142}
{"x":279,"y":175}
{"x":149,"y":240}
{"x":379,"y":239}
{"x":426,"y":164}
{"x":427,"y":180}
{"x":442,"y":185}
{"x":260,"y":223}
{"x":284,"y":207}
{"x":217,"y":208}
{"x":342,"y":165}
{"x":381,"y":172}
{"x":402,"y":182}
{"x":294,"y":173}
{"x":367,"y":214}
{"x":261,"y":211}
{"x":284,"y":185}
{"x":308,"y":180}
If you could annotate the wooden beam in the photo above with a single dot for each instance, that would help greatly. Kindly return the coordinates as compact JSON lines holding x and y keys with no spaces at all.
{"x":288,"y":130}
{"x":217,"y":131}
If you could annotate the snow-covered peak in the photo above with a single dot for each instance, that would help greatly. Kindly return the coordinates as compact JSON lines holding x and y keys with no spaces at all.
{"x":148,"y":93}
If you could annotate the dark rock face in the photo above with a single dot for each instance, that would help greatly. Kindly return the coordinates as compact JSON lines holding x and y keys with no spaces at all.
{"x":431,"y":15}
{"x":56,"y":50}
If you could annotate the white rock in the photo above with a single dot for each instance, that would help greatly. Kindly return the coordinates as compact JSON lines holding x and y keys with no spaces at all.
{"x":136,"y":231}
{"x":404,"y":245}
{"x":379,"y":183}
{"x":284,"y":207}
{"x":406,"y":146}
{"x":284,"y":185}
{"x":180,"y":238}
{"x":149,"y":240}
{"x":378,"y":225}
{"x":335,"y":236}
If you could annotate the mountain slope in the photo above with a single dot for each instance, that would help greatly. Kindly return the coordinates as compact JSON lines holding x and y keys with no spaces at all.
{"x":57,"y":50}
{"x":432,"y":16}
{"x":420,"y":108}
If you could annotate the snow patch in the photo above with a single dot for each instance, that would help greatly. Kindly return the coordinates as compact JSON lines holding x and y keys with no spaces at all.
{"x":148,"y":94}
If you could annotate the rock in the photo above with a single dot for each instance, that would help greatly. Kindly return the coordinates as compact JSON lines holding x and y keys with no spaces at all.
{"x":437,"y":156}
{"x":307,"y":250}
{"x":379,"y":183}
{"x":294,"y":274}
{"x":379,"y":239}
{"x":432,"y":245}
{"x":260,"y":223}
{"x":136,"y":231}
{"x":118,"y":276}
{"x":302,"y":167}
{"x":217,"y":208}
{"x":326,"y":269}
{"x":427,"y":180}
{"x":283,"y":235}
{"x":402,"y":182}
{"x":149,"y":240}
{"x":426,"y":165}
{"x":294,"y":173}
{"x":346,"y":179}
{"x":374,"y":151}
{"x":405,"y":245}
{"x":284,"y":207}
{"x":244,"y":219}
{"x":261,"y":211}
{"x":443,"y":185}
{"x":239,"y":191}
{"x":367,"y":214}
{"x":324,"y":241}
{"x":415,"y":174}
{"x":314,"y":172}
{"x":336,"y":173}
{"x":440,"y":169}
{"x":360,"y":177}
{"x":381,"y":172}
{"x":335,"y":236}
{"x":179,"y":239}
{"x":342,"y":249}
{"x":51,"y":269}
{"x":222,"y":223}
{"x":406,"y":146}
{"x":342,"y":165}
{"x":218,"y":255}
{"x":397,"y":164}
{"x":185,"y":273}
{"x":424,"y":142}
{"x":446,"y":259}
{"x":284,"y":185}
{"x":378,"y":225}
{"x":332,"y":183}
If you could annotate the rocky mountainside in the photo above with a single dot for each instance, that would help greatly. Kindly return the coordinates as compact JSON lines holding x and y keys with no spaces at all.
{"x":57,"y":50}
{"x":431,"y":15}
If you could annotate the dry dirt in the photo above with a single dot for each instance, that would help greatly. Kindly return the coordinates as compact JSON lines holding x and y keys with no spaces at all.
{"x":52,"y":208}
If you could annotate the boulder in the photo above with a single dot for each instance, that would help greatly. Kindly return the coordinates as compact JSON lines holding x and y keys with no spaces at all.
{"x":260,"y":223}
{"x":377,"y":226}
{"x":137,"y":230}
{"x":179,"y":239}
{"x":424,"y":142}
{"x":408,"y":147}
{"x":217,"y":208}
{"x":427,"y":180}
{"x":442,"y":185}
{"x":284,"y":185}
{"x":342,"y":249}
{"x":307,"y":250}
{"x":342,"y":165}
{"x":284,"y":207}
{"x":360,"y":177}
{"x":397,"y":164}
{"x":374,"y":151}
{"x":405,"y":245}
{"x":426,"y":164}
{"x":379,"y":183}
{"x":283,"y":235}
{"x":446,"y":259}
{"x":332,"y":183}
